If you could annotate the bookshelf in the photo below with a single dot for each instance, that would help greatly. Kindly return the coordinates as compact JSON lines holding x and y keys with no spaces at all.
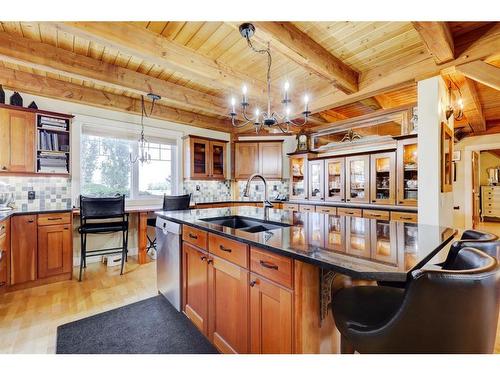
{"x":53,"y":144}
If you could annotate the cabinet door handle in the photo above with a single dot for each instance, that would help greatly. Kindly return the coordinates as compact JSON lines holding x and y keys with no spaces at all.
{"x":210,"y":261}
{"x":1,"y":254}
{"x":376,"y":215}
{"x":54,"y":218}
{"x":4,"y":168}
{"x":31,"y":221}
{"x":191,"y":235}
{"x":268,"y":265}
{"x":203,"y":258}
{"x":252,"y":283}
{"x":227,"y":250}
{"x":406,"y":218}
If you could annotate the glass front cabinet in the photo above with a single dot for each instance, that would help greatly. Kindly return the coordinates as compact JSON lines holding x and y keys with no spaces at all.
{"x":204,"y":158}
{"x":335,"y":180}
{"x":407,"y":172}
{"x":357,"y":178}
{"x":298,"y":177}
{"x":316,"y":177}
{"x":217,"y":160}
{"x":383,"y":178}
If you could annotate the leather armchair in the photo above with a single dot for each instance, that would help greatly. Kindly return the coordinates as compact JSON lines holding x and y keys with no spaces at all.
{"x":450,"y":310}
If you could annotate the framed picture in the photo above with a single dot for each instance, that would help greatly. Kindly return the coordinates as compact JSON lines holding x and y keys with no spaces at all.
{"x":456,"y":155}
{"x":446,"y":156}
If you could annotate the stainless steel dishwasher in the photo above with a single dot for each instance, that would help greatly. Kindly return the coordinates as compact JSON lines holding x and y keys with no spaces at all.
{"x":168,"y":261}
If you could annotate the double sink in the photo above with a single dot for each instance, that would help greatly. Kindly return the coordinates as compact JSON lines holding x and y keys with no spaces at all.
{"x":246,"y":224}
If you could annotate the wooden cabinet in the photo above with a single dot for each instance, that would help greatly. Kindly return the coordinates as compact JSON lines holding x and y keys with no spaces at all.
{"x":55,"y":255}
{"x":358,"y":237}
{"x":316,"y":181}
{"x":23,"y":259}
{"x":270,"y":159}
{"x":228,"y":306}
{"x":298,"y":177}
{"x":4,"y":251}
{"x":335,"y":180}
{"x":270,"y":317}
{"x":406,"y":217}
{"x":17,"y":141}
{"x":357,"y":178}
{"x":407,"y":172}
{"x":383,"y":178}
{"x":204,"y":159}
{"x":195,"y":285}
{"x":258,"y":157}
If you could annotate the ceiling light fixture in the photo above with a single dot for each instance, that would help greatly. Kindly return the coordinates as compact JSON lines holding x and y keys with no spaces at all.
{"x":267,"y":118}
{"x":456,"y":110}
{"x":143,"y":155}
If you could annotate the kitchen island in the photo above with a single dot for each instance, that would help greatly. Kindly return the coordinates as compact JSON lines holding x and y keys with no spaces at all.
{"x":261,"y":282}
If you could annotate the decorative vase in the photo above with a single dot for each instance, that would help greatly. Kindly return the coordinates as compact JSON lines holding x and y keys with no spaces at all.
{"x":16,"y":99}
{"x":2,"y":95}
{"x":33,"y":105}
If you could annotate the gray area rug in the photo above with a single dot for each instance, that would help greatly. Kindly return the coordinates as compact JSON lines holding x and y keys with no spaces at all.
{"x":148,"y":326}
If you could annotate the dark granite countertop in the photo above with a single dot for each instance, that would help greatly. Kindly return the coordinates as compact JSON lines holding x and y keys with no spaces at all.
{"x":17,"y":211}
{"x":362,"y":248}
{"x":239,"y":201}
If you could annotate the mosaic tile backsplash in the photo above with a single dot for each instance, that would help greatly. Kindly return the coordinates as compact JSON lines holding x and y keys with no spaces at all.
{"x":50,"y":192}
{"x":208,"y":191}
{"x":257,"y":189}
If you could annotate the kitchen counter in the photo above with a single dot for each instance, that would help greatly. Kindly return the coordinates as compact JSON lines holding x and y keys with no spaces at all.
{"x":236,"y":201}
{"x":362,"y":248}
{"x":355,"y":205}
{"x":17,"y":211}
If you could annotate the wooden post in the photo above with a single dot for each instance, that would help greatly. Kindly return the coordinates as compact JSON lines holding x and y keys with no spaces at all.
{"x":142,"y":230}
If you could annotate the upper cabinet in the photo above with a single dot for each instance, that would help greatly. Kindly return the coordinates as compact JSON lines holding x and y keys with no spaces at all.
{"x":298,"y":176}
{"x":316,"y":180}
{"x":357,"y":178}
{"x":407,"y":172}
{"x":17,"y":141}
{"x":258,"y":157}
{"x":383,"y":178}
{"x":33,"y":141}
{"x":335,"y":180}
{"x":204,"y":158}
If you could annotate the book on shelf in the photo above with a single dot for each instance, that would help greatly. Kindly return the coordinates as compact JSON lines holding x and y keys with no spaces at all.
{"x":49,"y":141}
{"x":52,"y":120}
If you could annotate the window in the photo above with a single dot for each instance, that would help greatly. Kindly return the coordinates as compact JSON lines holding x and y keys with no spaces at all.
{"x":106,"y":168}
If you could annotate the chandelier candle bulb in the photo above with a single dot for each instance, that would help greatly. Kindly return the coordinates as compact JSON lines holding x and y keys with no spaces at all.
{"x":233,"y":103}
{"x":244,"y":90}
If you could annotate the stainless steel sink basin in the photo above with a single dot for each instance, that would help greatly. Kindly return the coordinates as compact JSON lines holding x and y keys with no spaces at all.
{"x":246,"y":224}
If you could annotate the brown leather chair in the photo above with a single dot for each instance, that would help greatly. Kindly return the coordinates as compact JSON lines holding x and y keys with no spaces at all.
{"x":450,"y":310}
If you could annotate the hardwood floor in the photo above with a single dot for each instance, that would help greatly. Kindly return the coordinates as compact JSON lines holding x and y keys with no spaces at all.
{"x":29,"y":318}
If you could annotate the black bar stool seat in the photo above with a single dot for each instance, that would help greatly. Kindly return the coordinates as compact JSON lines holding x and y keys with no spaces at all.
{"x":107,"y":227}
{"x":453,"y":309}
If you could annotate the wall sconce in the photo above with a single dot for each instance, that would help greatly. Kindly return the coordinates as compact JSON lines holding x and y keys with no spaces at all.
{"x":458,"y":110}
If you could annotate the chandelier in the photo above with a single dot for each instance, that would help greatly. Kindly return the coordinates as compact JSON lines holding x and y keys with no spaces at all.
{"x":143,"y":155}
{"x":267,"y":118}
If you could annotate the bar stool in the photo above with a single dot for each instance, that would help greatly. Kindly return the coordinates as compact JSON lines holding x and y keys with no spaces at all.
{"x":102,"y":215}
{"x":449,"y":310}
{"x":170,"y":203}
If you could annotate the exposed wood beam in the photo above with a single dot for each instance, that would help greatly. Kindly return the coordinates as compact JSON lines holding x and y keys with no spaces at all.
{"x":371,"y":103}
{"x":492,"y":127}
{"x":299,"y":47}
{"x":481,"y":72}
{"x":40,"y":56}
{"x":438,"y":40}
{"x":402,"y":74}
{"x":472,"y":105}
{"x":332,"y":116}
{"x":384,"y":101}
{"x":154,"y":48}
{"x":53,"y":88}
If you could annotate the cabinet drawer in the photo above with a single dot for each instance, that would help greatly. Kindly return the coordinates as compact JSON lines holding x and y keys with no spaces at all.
{"x":275,"y":267}
{"x":194,"y":236}
{"x":306,"y":208}
{"x":54,"y":218}
{"x":327,"y":210}
{"x":290,"y":206}
{"x":376,"y":214}
{"x":345,"y":211}
{"x":230,"y":250}
{"x":408,"y":217}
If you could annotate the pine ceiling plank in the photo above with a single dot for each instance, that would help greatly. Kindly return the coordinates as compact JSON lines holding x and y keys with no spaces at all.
{"x":482,"y":72}
{"x":438,"y":40}
{"x":172,"y":29}
{"x":187,"y":32}
{"x":159,"y":50}
{"x":203,"y":35}
{"x":41,"y":56}
{"x":222,"y":32}
{"x":472,"y":105}
{"x":156,"y":27}
{"x":31,"y":30}
{"x":52,"y":88}
{"x":303,"y":50}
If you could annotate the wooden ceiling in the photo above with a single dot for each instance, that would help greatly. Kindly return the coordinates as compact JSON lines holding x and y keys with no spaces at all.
{"x":348,"y":68}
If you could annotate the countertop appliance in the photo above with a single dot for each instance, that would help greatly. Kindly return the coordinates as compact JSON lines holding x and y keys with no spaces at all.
{"x":168,"y":261}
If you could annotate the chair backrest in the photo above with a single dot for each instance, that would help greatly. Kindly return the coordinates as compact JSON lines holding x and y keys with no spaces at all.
{"x":477,"y":235}
{"x":101,"y":208}
{"x":452,"y":310}
{"x":176,"y":202}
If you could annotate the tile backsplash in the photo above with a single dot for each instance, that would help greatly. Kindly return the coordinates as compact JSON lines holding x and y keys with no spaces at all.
{"x":208,"y":191}
{"x":257,"y":189}
{"x":50,"y":192}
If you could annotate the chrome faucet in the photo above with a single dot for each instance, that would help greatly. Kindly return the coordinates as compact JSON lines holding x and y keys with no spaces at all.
{"x":266,"y":202}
